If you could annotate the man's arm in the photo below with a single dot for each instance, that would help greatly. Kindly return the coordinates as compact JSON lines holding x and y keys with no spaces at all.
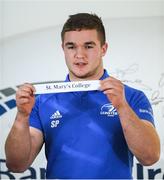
{"x":141,"y":137}
{"x":23,"y":143}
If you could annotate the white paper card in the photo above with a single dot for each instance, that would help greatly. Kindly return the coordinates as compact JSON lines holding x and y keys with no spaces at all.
{"x":62,"y":87}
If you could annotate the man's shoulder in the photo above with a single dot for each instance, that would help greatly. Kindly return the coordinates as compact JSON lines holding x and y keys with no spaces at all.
{"x":134,"y":94}
{"x":132,"y":90}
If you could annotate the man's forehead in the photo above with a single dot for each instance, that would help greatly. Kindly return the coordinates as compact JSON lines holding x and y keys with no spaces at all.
{"x":83,"y":34}
{"x":81,"y":37}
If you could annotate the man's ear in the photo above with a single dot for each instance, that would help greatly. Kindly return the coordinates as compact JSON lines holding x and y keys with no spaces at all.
{"x":104,"y":49}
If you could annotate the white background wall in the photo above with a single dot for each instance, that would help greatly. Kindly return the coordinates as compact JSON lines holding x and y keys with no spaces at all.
{"x":30,"y":50}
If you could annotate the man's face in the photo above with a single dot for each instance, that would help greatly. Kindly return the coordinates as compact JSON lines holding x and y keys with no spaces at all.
{"x":83,"y":54}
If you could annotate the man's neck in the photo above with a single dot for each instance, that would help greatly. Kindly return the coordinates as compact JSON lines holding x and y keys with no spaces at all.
{"x":93,"y":77}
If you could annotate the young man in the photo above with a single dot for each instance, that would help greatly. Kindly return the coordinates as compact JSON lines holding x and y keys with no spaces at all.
{"x":98,"y":132}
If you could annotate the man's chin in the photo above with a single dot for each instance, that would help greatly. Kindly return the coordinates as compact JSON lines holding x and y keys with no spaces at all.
{"x":81,"y":75}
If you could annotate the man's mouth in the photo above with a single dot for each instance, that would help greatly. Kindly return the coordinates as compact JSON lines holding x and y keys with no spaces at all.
{"x":80,"y":64}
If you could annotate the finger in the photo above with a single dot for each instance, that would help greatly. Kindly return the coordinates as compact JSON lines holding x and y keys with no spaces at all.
{"x":108,"y":85}
{"x":110,"y":92}
{"x":111,"y":84}
{"x":109,"y":79}
{"x":27,"y":87}
{"x":25,"y":92}
{"x":30,"y":86}
{"x":23,"y":101}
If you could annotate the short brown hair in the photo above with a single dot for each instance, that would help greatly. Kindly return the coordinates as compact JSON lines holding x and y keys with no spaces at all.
{"x":81,"y":21}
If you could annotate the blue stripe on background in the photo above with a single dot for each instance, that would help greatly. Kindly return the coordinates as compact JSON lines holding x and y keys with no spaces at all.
{"x":2,"y":110}
{"x":11,"y":103}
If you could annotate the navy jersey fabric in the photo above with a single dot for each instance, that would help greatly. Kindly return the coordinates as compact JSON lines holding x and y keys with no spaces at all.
{"x":83,"y":135}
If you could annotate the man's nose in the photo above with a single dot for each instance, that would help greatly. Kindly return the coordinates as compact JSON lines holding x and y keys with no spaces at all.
{"x":80,"y":53}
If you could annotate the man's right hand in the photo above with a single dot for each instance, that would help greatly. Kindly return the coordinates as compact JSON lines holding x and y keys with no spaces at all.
{"x":25,"y":99}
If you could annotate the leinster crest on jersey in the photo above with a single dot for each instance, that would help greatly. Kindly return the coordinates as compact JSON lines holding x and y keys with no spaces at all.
{"x":108,"y":110}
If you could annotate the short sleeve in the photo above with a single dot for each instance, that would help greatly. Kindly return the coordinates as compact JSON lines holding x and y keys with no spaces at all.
{"x":141,"y":105}
{"x":34,"y":119}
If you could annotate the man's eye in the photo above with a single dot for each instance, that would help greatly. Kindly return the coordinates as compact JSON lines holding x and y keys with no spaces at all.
{"x":88,"y":47}
{"x":70,"y":47}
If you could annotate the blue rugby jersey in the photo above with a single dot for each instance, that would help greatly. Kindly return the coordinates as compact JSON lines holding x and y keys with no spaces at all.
{"x":83,"y":135}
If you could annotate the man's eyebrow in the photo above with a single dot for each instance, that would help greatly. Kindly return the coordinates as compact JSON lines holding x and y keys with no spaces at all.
{"x":90,"y":43}
{"x":69,"y":43}
{"x":86,"y":43}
